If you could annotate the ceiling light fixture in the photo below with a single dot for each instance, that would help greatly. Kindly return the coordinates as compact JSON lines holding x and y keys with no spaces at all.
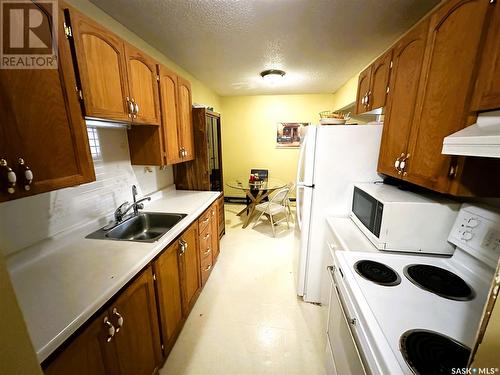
{"x":272,"y":76}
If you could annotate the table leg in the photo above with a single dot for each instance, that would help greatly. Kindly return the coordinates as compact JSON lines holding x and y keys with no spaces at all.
{"x":251,"y":207}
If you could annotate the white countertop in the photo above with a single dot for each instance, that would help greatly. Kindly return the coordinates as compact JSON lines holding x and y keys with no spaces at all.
{"x":347,"y":236}
{"x":60,"y":289}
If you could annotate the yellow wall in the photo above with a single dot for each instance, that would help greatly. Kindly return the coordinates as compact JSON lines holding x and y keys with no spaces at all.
{"x":16,"y":354}
{"x":346,"y":94}
{"x":249,"y":133}
{"x":201,"y":93}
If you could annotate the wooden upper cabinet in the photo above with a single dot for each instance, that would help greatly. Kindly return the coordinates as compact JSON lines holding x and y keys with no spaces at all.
{"x":190,"y":266}
{"x":138,"y":340}
{"x":186,"y":136}
{"x":41,"y":123}
{"x":445,"y":89}
{"x":89,"y":353}
{"x":143,"y":86}
{"x":169,"y":114}
{"x":487,"y":93}
{"x":381,"y":70}
{"x":407,"y":59}
{"x":363,"y":90}
{"x":168,"y":283}
{"x":102,"y":66}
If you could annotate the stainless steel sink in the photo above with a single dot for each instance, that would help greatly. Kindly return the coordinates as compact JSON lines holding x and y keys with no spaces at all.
{"x":145,"y":227}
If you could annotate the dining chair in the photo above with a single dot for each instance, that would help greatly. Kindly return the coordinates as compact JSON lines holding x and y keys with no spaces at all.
{"x":275,"y":206}
{"x":291,"y":187}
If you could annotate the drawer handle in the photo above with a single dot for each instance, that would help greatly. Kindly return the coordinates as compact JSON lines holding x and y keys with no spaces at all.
{"x":352,"y":321}
{"x":183,"y":246}
{"x":111,"y":329}
{"x":206,"y":236}
{"x":206,"y":220}
{"x":208,"y":268}
{"x":207,"y":252}
{"x":119,"y":319}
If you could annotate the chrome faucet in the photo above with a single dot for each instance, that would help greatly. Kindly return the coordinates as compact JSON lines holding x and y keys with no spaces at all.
{"x":122,"y":210}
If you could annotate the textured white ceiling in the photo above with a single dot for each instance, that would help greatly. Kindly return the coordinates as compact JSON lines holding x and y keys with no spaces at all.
{"x":227,"y":43}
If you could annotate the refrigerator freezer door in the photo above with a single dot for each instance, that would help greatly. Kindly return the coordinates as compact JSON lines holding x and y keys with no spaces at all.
{"x":302,"y":229}
{"x":305,"y":167}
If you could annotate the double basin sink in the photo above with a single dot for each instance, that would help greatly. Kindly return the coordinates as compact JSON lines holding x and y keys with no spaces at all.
{"x":144,"y":227}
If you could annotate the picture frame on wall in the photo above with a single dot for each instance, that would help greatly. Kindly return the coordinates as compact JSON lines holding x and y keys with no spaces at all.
{"x":289,"y":134}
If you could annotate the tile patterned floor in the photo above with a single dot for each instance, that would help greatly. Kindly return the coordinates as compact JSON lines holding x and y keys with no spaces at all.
{"x":248,"y":319}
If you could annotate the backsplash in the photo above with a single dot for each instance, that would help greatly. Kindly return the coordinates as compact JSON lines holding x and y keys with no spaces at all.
{"x":48,"y":214}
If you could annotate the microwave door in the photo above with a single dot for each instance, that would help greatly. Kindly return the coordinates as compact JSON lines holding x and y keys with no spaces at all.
{"x":364,"y":207}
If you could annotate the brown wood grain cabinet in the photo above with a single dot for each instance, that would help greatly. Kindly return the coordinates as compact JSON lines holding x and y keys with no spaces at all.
{"x":101,"y":63}
{"x":373,"y":83}
{"x":208,"y":227}
{"x":143,"y":86}
{"x":169,"y":291}
{"x":221,"y":217}
{"x":214,"y":211}
{"x":443,"y":99}
{"x":205,"y":172}
{"x":41,"y":123}
{"x":408,"y":54}
{"x":185,"y":118}
{"x":171,"y":142}
{"x":124,"y":339}
{"x":190,"y":268}
{"x":487,"y":93}
{"x":363,"y":90}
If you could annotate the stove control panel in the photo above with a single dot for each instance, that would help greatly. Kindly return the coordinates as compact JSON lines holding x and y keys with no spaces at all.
{"x":477,"y":231}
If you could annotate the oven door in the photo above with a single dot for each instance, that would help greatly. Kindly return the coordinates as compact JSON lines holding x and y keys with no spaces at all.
{"x":346,"y":357}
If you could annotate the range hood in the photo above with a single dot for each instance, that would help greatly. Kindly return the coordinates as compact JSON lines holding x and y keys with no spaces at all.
{"x":480,"y":139}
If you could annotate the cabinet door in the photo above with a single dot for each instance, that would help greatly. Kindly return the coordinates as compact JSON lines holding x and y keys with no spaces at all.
{"x":42,"y":123}
{"x":381,"y":70}
{"x":102,"y":66}
{"x":405,"y":75}
{"x":487,"y":94}
{"x":168,"y":286}
{"x":190,"y":266}
{"x":138,"y":340}
{"x":169,"y":114}
{"x":215,"y":231}
{"x":186,"y":136}
{"x":89,"y":353}
{"x":363,"y":90}
{"x":221,"y":226}
{"x":143,"y":86}
{"x":445,"y":89}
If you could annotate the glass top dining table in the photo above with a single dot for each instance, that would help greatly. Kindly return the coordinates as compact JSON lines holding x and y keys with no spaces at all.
{"x":255,"y":193}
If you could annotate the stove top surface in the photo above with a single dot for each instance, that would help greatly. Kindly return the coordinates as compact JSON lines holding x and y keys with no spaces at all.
{"x":406,"y":307}
{"x":377,"y":272}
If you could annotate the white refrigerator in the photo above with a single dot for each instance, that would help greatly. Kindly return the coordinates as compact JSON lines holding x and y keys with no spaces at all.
{"x":332,"y":158}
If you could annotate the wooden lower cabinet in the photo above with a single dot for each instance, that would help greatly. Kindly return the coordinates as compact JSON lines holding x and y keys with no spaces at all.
{"x":214,"y":211}
{"x":222,"y":216}
{"x":89,"y":353}
{"x":124,"y":339}
{"x":169,"y":292}
{"x":190,"y":267}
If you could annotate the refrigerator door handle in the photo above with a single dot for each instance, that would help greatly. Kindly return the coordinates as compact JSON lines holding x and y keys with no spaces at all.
{"x":297,"y":204}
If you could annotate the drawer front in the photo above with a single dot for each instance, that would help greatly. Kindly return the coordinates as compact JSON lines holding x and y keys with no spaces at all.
{"x":205,"y":240}
{"x":204,"y":220}
{"x":206,"y":268}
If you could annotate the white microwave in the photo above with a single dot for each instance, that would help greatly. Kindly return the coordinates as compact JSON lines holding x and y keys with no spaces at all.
{"x":399,"y":220}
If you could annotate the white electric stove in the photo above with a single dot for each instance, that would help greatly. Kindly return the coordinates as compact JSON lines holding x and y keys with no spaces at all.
{"x":389,"y":312}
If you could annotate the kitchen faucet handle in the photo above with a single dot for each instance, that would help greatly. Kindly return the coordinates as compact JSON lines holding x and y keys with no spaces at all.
{"x":119,"y":212}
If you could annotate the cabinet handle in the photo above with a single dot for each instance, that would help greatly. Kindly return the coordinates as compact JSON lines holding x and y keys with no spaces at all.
{"x":208,"y":268}
{"x":206,"y":236}
{"x":27,"y":174}
{"x":206,"y":221}
{"x":183,"y":246}
{"x":136,"y":108}
{"x":397,"y":163}
{"x":111,"y":329}
{"x":207,"y":252}
{"x":10,"y":176}
{"x":119,"y":319}
{"x":130,"y":107}
{"x":181,"y":152}
{"x":403,"y":164}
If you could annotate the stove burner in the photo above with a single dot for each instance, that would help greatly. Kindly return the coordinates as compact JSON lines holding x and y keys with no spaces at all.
{"x":431,"y":353}
{"x":377,"y":272}
{"x":439,"y":281}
